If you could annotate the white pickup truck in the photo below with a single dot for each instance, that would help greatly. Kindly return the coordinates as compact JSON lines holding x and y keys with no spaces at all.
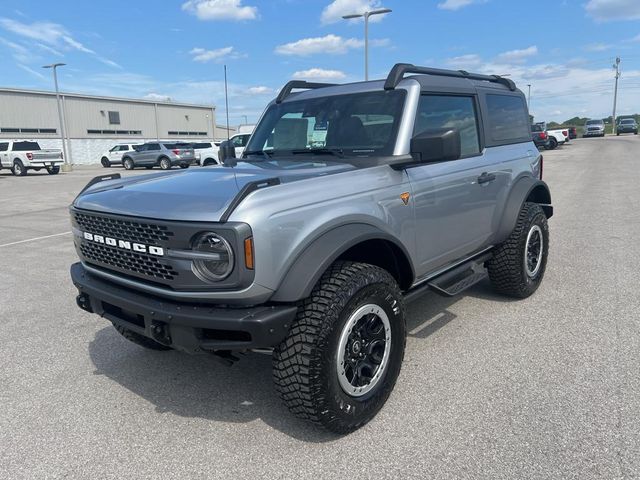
{"x":557,"y":136}
{"x":23,"y":155}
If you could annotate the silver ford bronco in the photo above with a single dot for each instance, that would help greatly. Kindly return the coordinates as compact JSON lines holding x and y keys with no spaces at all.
{"x":348,"y":202}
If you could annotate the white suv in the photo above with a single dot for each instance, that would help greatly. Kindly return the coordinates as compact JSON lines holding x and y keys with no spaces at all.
{"x":206,"y":153}
{"x":114,"y":155}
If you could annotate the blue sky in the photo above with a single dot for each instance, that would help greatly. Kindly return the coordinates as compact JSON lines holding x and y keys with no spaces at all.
{"x":177,"y":49}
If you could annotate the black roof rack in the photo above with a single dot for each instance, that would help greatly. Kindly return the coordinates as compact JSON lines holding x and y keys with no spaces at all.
{"x":286,"y":90}
{"x":400,"y":69}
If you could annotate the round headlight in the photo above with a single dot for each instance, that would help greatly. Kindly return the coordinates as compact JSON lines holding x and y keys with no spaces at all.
{"x":215,"y":260}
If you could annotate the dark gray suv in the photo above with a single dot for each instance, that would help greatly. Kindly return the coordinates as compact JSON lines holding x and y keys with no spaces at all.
{"x":348,"y":202}
{"x":161,"y":154}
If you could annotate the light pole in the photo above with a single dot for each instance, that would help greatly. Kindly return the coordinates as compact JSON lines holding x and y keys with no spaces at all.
{"x":616,"y":66}
{"x":67,"y":165}
{"x":246,"y":121}
{"x":366,"y":16}
{"x":529,"y":97}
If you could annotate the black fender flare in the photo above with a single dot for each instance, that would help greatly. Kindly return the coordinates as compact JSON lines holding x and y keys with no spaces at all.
{"x":315,"y":259}
{"x":524,"y":188}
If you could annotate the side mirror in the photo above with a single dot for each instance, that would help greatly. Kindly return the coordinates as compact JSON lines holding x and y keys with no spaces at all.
{"x":227,"y":153}
{"x":436,"y":145}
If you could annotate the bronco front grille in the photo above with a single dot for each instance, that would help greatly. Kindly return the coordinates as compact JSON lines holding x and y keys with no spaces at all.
{"x":134,"y":231}
{"x":135,"y":262}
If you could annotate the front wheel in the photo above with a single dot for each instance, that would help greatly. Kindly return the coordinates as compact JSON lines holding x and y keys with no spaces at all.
{"x":105,"y":162}
{"x":53,"y":170}
{"x":518,"y":265}
{"x":128,"y":164}
{"x":343,"y":354}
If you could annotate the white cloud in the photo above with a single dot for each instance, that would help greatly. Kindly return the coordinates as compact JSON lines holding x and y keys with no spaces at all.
{"x":20,"y":52}
{"x":518,"y":56}
{"x":158,"y":97}
{"x":607,"y":10}
{"x":220,"y":10}
{"x":51,"y":37}
{"x":635,"y":39}
{"x":319,"y":74}
{"x":260,"y":90}
{"x":333,"y":12}
{"x":598,"y":47}
{"x":329,"y":44}
{"x":457,"y":4}
{"x":33,"y":72}
{"x":465,"y":61}
{"x":201,"y":55}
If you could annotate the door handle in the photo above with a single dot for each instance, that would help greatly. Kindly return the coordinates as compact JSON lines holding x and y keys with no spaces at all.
{"x":486,"y":178}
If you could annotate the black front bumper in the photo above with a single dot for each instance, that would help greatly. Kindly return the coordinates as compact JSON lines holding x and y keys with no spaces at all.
{"x":183,"y":326}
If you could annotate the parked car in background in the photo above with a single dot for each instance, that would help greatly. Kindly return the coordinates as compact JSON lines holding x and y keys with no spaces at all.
{"x":206,"y":153}
{"x":627,"y":125}
{"x":540,"y":136}
{"x":23,"y":155}
{"x":114,"y":155}
{"x":162,"y":154}
{"x":556,"y":136}
{"x":593,"y":128}
{"x":239,"y":141}
{"x":573,"y":132}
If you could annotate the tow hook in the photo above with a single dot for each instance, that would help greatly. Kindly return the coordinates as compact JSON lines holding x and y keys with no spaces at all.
{"x":160,"y":333}
{"x":84,"y":303}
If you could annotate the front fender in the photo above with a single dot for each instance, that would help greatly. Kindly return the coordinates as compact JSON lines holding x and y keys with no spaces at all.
{"x":316,"y":258}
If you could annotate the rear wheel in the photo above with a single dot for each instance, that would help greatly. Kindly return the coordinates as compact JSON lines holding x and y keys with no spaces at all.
{"x":343,"y":354}
{"x":128,"y":164}
{"x":18,"y":168}
{"x":140,"y":339}
{"x":184,"y":165}
{"x":518,"y":265}
{"x":105,"y":162}
{"x":165,"y":163}
{"x":53,"y":170}
{"x":209,"y":161}
{"x":553,"y":143}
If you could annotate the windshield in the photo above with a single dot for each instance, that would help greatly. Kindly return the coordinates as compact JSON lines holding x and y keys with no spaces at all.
{"x":595,"y":122}
{"x":359,"y":124}
{"x":628,"y":121}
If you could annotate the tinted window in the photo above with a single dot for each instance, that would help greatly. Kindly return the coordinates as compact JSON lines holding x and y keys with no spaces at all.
{"x":537,"y":128}
{"x":202,"y":145}
{"x":153,"y":146}
{"x":25,"y":146}
{"x":437,"y":112}
{"x":124,"y":148}
{"x":4,"y":147}
{"x":237,"y":141}
{"x":508,"y":119}
{"x":361,"y":124}
{"x":172,"y":146}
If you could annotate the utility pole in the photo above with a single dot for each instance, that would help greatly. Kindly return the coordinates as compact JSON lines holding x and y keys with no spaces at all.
{"x":66,"y":167}
{"x":616,"y":66}
{"x":529,"y":97}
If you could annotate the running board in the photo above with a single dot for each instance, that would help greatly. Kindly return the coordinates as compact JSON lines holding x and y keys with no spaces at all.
{"x":454,"y":281}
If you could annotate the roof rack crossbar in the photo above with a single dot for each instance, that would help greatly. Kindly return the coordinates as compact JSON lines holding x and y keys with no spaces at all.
{"x":400,"y":69}
{"x":286,"y":90}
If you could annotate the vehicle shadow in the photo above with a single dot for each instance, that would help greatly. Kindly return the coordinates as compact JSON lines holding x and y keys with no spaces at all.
{"x":202,"y":387}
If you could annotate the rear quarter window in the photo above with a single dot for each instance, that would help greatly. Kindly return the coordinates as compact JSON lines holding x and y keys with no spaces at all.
{"x":508,"y":121}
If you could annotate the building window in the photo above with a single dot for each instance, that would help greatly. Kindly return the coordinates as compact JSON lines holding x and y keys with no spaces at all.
{"x":114,"y":132}
{"x":48,"y":130}
{"x":10,"y":130}
{"x":27,"y":130}
{"x":114,"y":118}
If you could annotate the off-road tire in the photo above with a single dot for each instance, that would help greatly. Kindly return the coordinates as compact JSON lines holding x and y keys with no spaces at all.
{"x":128,"y":164}
{"x":140,"y":339}
{"x":506,"y":268}
{"x":105,"y":162}
{"x":305,"y":369}
{"x":53,"y":170}
{"x":18,"y":168}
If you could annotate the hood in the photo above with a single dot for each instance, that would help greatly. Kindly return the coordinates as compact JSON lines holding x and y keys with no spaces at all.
{"x":195,"y":194}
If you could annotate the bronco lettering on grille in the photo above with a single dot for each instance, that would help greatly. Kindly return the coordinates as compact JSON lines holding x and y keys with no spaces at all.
{"x":125,"y":245}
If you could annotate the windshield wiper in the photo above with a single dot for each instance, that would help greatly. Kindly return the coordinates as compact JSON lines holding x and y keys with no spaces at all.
{"x":338,"y":152}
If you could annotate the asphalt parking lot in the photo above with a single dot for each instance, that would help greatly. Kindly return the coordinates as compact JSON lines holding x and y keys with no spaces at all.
{"x":548,"y":387}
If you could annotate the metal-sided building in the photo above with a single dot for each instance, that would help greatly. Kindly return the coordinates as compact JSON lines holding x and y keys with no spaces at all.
{"x":93,"y":124}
